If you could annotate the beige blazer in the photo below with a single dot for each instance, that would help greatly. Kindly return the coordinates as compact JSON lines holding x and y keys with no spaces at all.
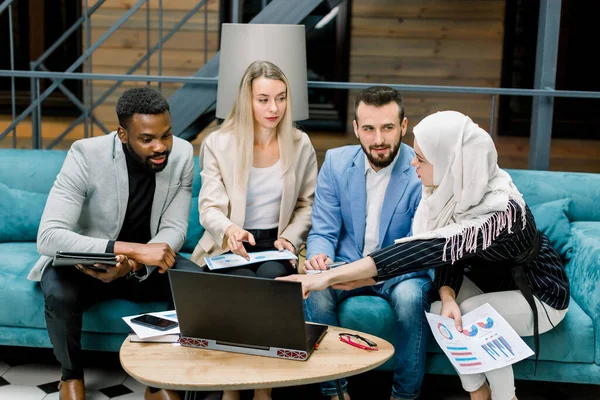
{"x":222,"y":202}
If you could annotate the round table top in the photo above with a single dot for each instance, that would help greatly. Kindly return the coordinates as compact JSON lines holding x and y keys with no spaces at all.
{"x":171,"y":366}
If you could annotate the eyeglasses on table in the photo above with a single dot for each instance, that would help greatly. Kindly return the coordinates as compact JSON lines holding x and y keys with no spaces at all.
{"x":358,"y":341}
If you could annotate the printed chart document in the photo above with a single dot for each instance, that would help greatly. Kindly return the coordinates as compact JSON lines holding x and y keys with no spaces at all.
{"x":233,"y":260}
{"x":487,"y":341}
{"x":153,"y":335}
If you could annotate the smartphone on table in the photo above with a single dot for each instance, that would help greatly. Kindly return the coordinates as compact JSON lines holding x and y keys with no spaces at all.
{"x":150,"y":321}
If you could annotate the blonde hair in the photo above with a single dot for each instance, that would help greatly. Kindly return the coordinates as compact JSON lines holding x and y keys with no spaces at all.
{"x":240,"y":120}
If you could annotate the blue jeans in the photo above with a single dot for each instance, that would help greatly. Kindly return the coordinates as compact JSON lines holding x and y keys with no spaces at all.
{"x":409,"y":299}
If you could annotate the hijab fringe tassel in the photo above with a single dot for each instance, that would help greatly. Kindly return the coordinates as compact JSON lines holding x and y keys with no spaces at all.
{"x":466,"y":241}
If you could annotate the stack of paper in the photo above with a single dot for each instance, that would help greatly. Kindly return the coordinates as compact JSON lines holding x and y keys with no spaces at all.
{"x":144,"y":334}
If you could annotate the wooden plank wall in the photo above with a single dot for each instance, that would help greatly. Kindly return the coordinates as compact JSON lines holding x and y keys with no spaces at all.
{"x":430,"y":42}
{"x":183,"y":53}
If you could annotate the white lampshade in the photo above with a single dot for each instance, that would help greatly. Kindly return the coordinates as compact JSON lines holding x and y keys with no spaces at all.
{"x":283,"y":45}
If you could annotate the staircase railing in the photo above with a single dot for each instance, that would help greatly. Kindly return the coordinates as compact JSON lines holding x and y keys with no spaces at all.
{"x":34,"y":109}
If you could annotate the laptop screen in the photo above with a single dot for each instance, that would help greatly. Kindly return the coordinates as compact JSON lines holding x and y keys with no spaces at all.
{"x":239,"y":310}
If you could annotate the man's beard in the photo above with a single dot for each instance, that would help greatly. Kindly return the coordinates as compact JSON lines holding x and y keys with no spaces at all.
{"x":382,"y":162}
{"x":146,"y":163}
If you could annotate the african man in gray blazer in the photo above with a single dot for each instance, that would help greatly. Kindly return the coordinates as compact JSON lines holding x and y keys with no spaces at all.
{"x":126,"y":193}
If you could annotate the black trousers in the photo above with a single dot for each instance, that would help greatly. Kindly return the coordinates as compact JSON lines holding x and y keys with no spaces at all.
{"x":270,"y":269}
{"x":69,"y":292}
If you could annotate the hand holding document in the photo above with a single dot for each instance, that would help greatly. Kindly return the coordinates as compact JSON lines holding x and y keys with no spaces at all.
{"x":230,"y":260}
{"x":487,"y":341}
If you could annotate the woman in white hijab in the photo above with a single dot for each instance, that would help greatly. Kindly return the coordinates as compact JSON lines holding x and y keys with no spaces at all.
{"x":475,"y":230}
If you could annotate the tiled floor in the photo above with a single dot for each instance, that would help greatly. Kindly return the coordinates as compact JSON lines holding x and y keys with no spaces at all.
{"x":33,"y":374}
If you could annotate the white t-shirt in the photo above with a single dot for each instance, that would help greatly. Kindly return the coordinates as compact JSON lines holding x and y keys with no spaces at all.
{"x":264,"y":197}
{"x":377,"y":183}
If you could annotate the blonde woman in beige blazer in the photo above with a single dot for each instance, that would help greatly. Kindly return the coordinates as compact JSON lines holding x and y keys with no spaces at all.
{"x":258,"y":180}
{"x":258,"y":133}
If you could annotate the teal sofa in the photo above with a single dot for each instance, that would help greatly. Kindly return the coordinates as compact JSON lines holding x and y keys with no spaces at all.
{"x":565,"y":206}
{"x":26,"y":177}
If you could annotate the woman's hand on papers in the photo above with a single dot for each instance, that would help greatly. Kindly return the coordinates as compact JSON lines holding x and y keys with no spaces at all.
{"x":451,"y":309}
{"x":109,"y":273}
{"x":282,"y":244}
{"x":235,"y":238}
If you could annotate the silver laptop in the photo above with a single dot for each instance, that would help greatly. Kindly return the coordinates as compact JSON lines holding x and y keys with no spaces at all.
{"x":243,"y":315}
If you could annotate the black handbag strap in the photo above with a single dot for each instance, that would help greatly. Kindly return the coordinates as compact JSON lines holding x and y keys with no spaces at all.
{"x":518,"y":273}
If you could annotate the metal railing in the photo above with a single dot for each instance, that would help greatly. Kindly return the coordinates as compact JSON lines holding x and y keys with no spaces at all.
{"x":87,"y":108}
{"x":492,"y":92}
{"x":543,"y":93}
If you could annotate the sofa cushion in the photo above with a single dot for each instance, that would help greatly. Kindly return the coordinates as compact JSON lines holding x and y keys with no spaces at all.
{"x":374,"y":315}
{"x":30,"y":170}
{"x":558,"y":344}
{"x":20,"y":214}
{"x":584,"y":271}
{"x":544,"y":186}
{"x":551,"y":218}
{"x":195,"y":230}
{"x":26,"y":299}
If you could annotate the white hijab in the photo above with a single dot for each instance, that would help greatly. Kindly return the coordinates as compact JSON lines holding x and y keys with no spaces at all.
{"x":470,"y":193}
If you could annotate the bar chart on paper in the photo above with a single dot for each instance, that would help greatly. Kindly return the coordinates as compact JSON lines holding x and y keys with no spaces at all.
{"x":486,"y":342}
{"x":498,"y":347}
{"x":463,"y":356}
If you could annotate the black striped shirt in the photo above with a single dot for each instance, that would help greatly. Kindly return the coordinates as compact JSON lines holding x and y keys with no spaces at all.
{"x":489,"y":269}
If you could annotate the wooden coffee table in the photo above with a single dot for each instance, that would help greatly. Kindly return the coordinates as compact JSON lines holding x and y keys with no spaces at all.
{"x":171,"y":366}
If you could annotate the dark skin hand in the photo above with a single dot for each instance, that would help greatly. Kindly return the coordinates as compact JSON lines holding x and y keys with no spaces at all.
{"x":110,"y":272}
{"x":158,"y":254}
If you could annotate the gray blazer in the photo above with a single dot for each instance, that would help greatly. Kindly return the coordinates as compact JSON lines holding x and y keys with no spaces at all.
{"x":86,"y":206}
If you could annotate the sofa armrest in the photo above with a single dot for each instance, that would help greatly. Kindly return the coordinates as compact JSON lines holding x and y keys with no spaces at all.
{"x":584,"y":272}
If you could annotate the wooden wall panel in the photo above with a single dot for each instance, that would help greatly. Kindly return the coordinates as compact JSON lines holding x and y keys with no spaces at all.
{"x":128,"y":38}
{"x":172,"y":59}
{"x":104,"y":18}
{"x":429,"y":42}
{"x":175,"y":5}
{"x":426,"y":29}
{"x":447,"y":49}
{"x":182,"y":54}
{"x":409,"y":80}
{"x":430,"y":9}
{"x":432,"y":67}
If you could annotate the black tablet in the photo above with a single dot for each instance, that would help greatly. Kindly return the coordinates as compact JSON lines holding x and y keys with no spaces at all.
{"x":69,"y":258}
